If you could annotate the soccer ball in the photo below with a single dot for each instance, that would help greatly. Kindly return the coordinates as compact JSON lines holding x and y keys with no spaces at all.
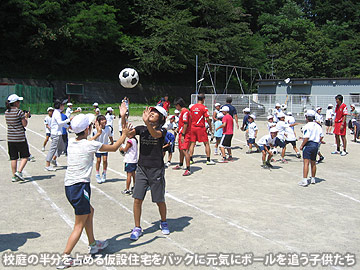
{"x":274,"y":151}
{"x":129,"y":77}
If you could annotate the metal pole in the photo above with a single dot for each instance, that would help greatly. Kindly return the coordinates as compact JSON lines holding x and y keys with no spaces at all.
{"x":196,"y":74}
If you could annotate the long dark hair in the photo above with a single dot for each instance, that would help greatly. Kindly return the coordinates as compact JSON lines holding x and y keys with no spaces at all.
{"x":9,"y":105}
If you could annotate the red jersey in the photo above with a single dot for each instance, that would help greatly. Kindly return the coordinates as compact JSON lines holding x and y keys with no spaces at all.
{"x":340,"y":111}
{"x":198,"y":114}
{"x":229,"y":128}
{"x":166,"y":105}
{"x":184,"y":117}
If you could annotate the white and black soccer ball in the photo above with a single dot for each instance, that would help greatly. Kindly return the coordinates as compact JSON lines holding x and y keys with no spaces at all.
{"x":129,"y":77}
{"x":274,"y":151}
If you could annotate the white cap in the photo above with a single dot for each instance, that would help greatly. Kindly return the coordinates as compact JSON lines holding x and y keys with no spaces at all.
{"x":280,"y":115}
{"x":289,"y":113}
{"x":246,"y":109}
{"x":96,"y":104}
{"x":353,"y":120}
{"x":352,"y":105}
{"x":176,"y":111}
{"x":252,"y":116}
{"x":274,"y":129}
{"x":171,"y":116}
{"x":277,"y":105}
{"x":79,"y":109}
{"x":217,"y":104}
{"x":330,"y":105}
{"x":310,"y":113}
{"x":80,"y":122}
{"x":69,"y":104}
{"x":109,"y":109}
{"x":13,"y":98}
{"x":318,"y":108}
{"x":270,"y":117}
{"x":97,"y":110}
{"x":50,"y":109}
{"x":160,"y":110}
{"x":220,"y":115}
{"x":191,"y":106}
{"x":91,"y":117}
{"x":224,"y":109}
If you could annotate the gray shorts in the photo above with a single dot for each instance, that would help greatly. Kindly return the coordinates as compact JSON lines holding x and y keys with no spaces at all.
{"x":153,"y":178}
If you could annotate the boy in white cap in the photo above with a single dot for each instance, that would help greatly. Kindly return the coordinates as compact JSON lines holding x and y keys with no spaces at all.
{"x":252,"y":133}
{"x":276,"y":112}
{"x":110,"y":119}
{"x":77,"y":182}
{"x":313,"y":136}
{"x":150,"y":171}
{"x":245,"y":123}
{"x":69,"y":110}
{"x":265,"y":143}
{"x":228,"y":131}
{"x":47,"y":122}
{"x":281,"y":137}
{"x":329,"y":118}
{"x":270,"y":123}
{"x":216,"y":111}
{"x":218,"y":132}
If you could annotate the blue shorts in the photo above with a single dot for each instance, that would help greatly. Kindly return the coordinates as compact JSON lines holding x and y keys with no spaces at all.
{"x":279,"y":143}
{"x":99,"y":155}
{"x":310,"y":150}
{"x":48,"y":134}
{"x":251,"y":141}
{"x":130,"y":167}
{"x":78,"y":196}
{"x":170,"y":148}
{"x":262,"y":148}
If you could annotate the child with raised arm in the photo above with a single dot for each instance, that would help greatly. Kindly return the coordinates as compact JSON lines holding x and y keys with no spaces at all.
{"x":130,"y":159}
{"x":77,"y":182}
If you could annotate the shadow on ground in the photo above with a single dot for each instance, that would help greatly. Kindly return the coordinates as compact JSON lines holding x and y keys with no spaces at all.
{"x":13,"y":241}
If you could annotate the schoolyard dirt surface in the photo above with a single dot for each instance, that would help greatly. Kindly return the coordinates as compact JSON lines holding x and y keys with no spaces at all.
{"x":236,"y":214}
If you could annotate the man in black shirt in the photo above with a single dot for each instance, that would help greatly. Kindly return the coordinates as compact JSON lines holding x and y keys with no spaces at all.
{"x":151,"y":170}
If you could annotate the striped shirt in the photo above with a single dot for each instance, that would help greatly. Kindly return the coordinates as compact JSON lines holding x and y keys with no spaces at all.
{"x":15,"y":130}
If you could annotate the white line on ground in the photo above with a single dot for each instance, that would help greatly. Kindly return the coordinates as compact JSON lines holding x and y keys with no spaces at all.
{"x":346,"y":196}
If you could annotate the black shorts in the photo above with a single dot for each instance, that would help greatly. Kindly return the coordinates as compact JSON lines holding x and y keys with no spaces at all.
{"x":293,"y":143}
{"x":279,"y":143}
{"x":328,"y":123}
{"x":226,"y":140}
{"x":78,"y":196}
{"x":18,"y":149}
{"x":153,"y":178}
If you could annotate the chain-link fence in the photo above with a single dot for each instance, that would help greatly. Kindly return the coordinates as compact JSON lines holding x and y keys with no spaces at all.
{"x":262,"y":105}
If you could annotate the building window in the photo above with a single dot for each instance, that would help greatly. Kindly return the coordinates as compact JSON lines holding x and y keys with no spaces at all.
{"x":355,"y":98}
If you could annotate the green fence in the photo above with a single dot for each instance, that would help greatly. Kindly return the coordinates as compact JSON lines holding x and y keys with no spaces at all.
{"x":37,"y":99}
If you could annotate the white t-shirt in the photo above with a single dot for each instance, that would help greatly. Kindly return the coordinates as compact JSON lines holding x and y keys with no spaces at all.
{"x":319,"y":118}
{"x":104,"y":136}
{"x":290,"y":134}
{"x":281,"y":126}
{"x":68,"y":112}
{"x":169,"y":126}
{"x":109,"y":119}
{"x":252,"y":128}
{"x":270,"y":125}
{"x":80,"y":161}
{"x":313,"y":131}
{"x":266,"y":140}
{"x":276,"y":112}
{"x":47,"y":121}
{"x":131,"y":156}
{"x":329,"y":114}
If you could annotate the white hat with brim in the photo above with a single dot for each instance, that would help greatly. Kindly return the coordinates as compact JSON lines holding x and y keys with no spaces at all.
{"x":109,"y":109}
{"x":81,"y":122}
{"x":252,"y":116}
{"x":224,"y":109}
{"x":310,"y":113}
{"x":270,"y":117}
{"x":281,"y":115}
{"x":246,"y":110}
{"x":353,"y":120}
{"x":96,"y":104}
{"x":277,"y":105}
{"x":69,"y":104}
{"x":330,"y":105}
{"x":217,"y":104}
{"x":160,"y":109}
{"x":274,"y":129}
{"x":13,"y":98}
{"x":176,"y":111}
{"x":220,"y":115}
{"x":318,"y":108}
{"x":352,"y":105}
{"x":50,"y":109}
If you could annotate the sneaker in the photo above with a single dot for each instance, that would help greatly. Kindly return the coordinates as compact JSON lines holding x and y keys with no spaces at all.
{"x":230,"y":158}
{"x":186,"y":173}
{"x":298,"y":155}
{"x":177,"y":167}
{"x":210,"y":162}
{"x":136,"y":233}
{"x":248,"y":152}
{"x":284,"y":161}
{"x":126,"y":192}
{"x":99,"y":245}
{"x":164,"y":227}
{"x":43,"y":149}
{"x":98,"y":178}
{"x":53,"y":162}
{"x":168,"y":163}
{"x":66,"y":262}
{"x":335,"y":152}
{"x":303,"y":183}
{"x":14,"y":179}
{"x":265,"y":166}
{"x":31,"y":158}
{"x":50,"y":169}
{"x":320,"y":159}
{"x":103,"y":178}
{"x":269,"y":165}
{"x":343,"y":153}
{"x":20,"y":176}
{"x":313,"y":180}
{"x":223,"y":161}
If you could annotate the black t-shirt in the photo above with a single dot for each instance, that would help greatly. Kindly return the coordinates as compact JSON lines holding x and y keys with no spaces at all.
{"x":151,"y":154}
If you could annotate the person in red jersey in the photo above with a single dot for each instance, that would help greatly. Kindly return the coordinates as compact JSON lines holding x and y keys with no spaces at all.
{"x":200,"y":114}
{"x":184,"y":129}
{"x":164,"y":102}
{"x":340,"y":125}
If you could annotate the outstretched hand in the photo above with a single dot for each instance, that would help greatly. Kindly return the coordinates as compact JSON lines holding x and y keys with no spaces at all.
{"x":123,"y":109}
{"x":98,"y":127}
{"x":127,"y":128}
{"x":146,"y":114}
